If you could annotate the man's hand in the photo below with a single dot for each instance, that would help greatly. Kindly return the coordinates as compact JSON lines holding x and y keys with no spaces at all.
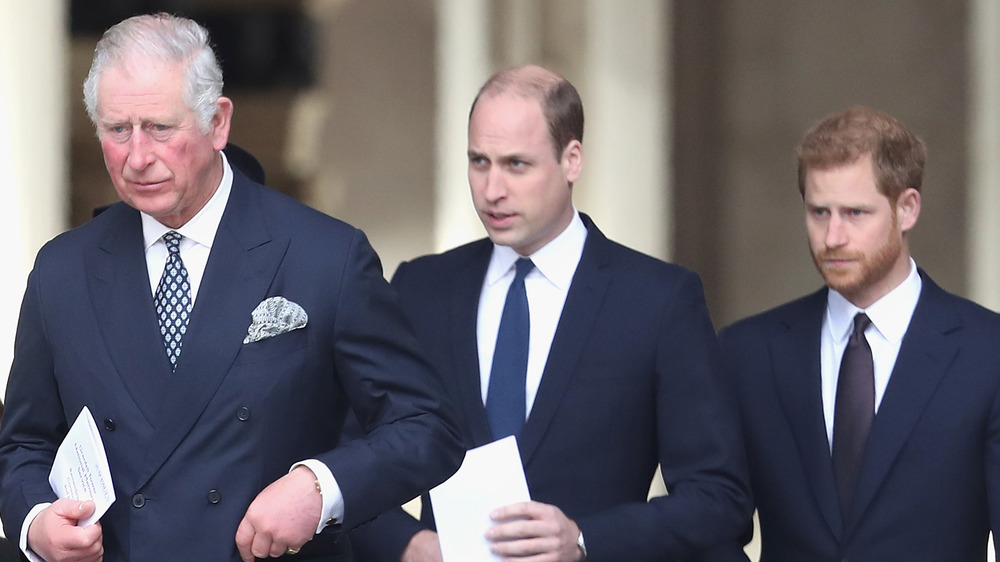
{"x":54,"y":536}
{"x":282,"y":518}
{"x":423,"y":547}
{"x":534,"y":532}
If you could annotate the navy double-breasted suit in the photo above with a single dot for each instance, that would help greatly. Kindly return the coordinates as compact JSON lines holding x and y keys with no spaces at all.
{"x":630,"y":382}
{"x":189,"y":450}
{"x":929,"y":486}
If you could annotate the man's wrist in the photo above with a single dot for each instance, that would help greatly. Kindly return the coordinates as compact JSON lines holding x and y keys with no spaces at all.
{"x":331,"y":498}
{"x":22,"y":544}
{"x":582,"y":546}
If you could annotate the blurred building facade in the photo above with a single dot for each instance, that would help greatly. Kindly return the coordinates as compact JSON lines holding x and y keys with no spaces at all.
{"x":693,"y":108}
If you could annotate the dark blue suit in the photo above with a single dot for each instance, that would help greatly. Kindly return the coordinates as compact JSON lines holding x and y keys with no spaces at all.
{"x":631,"y":381}
{"x":190,"y":450}
{"x":929,"y":487}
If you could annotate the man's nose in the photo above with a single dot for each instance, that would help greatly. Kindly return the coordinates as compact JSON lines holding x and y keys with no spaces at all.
{"x":836,"y":233}
{"x":140,"y":150}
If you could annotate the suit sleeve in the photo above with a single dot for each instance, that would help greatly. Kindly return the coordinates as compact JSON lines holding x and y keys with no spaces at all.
{"x":385,"y":538}
{"x":992,"y":472}
{"x":700,"y":450}
{"x":732,"y":550}
{"x":34,"y":423}
{"x":411,"y":441}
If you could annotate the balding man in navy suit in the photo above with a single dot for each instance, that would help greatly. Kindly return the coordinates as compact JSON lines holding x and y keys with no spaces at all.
{"x":621,"y":367}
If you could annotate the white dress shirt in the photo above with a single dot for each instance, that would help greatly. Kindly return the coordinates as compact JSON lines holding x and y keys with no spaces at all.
{"x":546,"y":286}
{"x":890,"y":316}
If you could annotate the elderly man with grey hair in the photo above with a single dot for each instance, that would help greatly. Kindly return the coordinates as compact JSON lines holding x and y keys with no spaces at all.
{"x":218,"y":331}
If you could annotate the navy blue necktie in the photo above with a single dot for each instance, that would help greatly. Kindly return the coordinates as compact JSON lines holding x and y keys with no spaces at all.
{"x":505,"y":402}
{"x":854,"y":411}
{"x":173,"y":298}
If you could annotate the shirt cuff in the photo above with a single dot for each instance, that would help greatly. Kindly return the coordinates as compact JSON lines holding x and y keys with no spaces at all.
{"x":22,"y":543}
{"x":333,"y":499}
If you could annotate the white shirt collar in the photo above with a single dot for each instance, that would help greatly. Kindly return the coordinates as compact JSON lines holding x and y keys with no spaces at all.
{"x":890,"y":314}
{"x":556,"y":261}
{"x":202,"y":227}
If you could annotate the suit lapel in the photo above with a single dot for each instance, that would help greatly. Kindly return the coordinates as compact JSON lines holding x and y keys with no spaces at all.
{"x":586,"y":293}
{"x":242,"y":264}
{"x":123,"y":306}
{"x":924,"y":357}
{"x":798,"y":382}
{"x":464,"y":312}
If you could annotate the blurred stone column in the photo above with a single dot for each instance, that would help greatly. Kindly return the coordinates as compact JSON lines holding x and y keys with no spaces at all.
{"x":374,"y":106}
{"x":626,"y":183}
{"x":463,"y":64}
{"x":983,"y":226}
{"x":33,"y":154}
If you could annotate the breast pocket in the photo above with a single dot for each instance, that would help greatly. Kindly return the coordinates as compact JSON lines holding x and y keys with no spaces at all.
{"x":286,"y":346}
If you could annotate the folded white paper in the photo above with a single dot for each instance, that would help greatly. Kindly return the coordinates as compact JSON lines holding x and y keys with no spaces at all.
{"x":80,"y":470}
{"x":491,"y":476}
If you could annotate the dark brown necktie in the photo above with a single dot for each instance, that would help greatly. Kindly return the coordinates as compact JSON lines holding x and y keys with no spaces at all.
{"x":854,"y":411}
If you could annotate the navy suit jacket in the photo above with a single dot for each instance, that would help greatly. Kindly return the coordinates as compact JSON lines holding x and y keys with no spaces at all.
{"x":190,"y":450}
{"x":929,"y":487}
{"x":631,"y":381}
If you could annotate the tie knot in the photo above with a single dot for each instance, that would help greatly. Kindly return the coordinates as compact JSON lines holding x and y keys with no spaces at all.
{"x":861,"y":323}
{"x":173,"y":241}
{"x":524,"y":267}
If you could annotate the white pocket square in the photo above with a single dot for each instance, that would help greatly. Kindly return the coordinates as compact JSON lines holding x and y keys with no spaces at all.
{"x":275,"y":316}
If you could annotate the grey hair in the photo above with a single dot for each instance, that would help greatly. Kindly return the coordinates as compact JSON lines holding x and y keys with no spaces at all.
{"x":166,"y":38}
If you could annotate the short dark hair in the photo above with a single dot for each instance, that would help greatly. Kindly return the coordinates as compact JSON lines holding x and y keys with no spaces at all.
{"x":559,"y":99}
{"x":897,"y":154}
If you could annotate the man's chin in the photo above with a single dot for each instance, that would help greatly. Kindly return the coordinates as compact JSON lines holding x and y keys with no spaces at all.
{"x":502,"y":237}
{"x":842,"y":281}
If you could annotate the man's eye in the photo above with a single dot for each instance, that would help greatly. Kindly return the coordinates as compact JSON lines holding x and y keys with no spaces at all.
{"x":159,"y":131}
{"x":119,"y":133}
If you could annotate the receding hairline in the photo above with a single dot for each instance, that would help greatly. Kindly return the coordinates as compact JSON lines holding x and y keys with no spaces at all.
{"x":529,"y":81}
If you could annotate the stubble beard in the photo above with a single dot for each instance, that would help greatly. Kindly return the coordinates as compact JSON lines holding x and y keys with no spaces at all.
{"x":867,"y":270}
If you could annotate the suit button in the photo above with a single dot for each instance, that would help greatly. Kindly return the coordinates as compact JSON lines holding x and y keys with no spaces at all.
{"x":214,"y":496}
{"x":138,"y":501}
{"x":243,"y":413}
{"x":109,"y":424}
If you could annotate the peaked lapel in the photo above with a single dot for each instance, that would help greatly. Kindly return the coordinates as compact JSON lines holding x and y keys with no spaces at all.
{"x":924,"y":356}
{"x":797,"y":379}
{"x":587,"y":290}
{"x":118,"y":283}
{"x":464,"y":313}
{"x":241,"y":266}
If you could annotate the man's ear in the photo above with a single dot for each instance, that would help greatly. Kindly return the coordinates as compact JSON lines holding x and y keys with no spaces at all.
{"x":572,"y":160}
{"x":221,"y":122}
{"x":908,"y":209}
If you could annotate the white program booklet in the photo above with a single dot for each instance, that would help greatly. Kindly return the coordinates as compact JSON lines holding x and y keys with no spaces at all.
{"x":80,"y":470}
{"x":491,"y":476}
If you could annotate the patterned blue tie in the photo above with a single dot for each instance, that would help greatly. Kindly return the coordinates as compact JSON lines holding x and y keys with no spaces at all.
{"x":505,"y":407}
{"x":173,"y":298}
